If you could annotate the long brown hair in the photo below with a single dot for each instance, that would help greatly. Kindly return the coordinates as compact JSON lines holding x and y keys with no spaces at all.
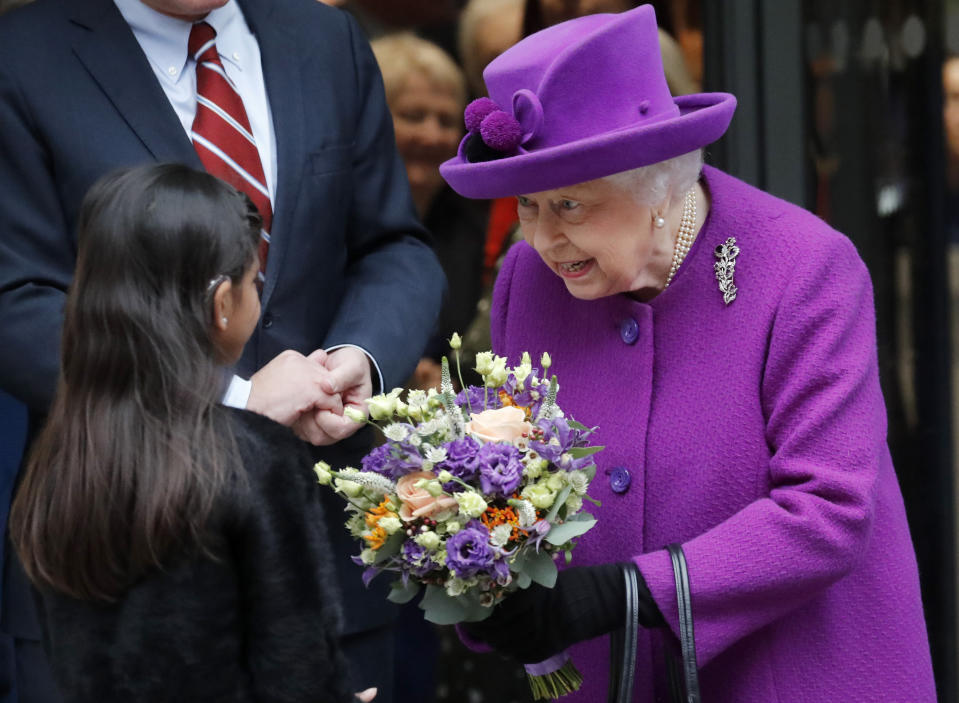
{"x":126,"y":469}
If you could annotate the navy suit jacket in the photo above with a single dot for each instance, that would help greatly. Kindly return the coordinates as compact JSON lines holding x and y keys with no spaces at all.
{"x":348,"y":263}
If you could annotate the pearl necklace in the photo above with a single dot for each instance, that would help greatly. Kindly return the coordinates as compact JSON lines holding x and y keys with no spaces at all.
{"x":685,"y":235}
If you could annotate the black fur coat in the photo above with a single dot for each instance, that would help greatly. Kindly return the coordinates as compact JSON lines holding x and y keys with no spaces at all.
{"x":258,"y":624}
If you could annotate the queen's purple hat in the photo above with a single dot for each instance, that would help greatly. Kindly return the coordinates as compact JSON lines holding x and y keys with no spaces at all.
{"x":577,"y":101}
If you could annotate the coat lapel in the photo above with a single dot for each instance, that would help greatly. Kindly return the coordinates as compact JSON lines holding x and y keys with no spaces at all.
{"x":110,"y":52}
{"x":282,"y":74}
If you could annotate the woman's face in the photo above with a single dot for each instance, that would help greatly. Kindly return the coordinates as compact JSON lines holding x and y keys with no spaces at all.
{"x":596,"y":238}
{"x":427,"y":120}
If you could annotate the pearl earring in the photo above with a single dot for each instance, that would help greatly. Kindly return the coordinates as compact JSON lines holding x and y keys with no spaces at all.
{"x":223,"y":320}
{"x":659,"y":222}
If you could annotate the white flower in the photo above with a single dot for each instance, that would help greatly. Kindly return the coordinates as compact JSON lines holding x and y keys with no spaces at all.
{"x":534,"y":468}
{"x":573,"y":504}
{"x":456,"y":341}
{"x":401,"y":409}
{"x":444,"y":476}
{"x":355,"y":414}
{"x":500,"y":535}
{"x":436,"y":454}
{"x":498,"y":373}
{"x":557,"y":481}
{"x":383,"y":405}
{"x":367,"y":556}
{"x":456,"y":586}
{"x":545,"y":361}
{"x":378,"y":484}
{"x":452,"y":527}
{"x":356,"y":524}
{"x":350,"y":488}
{"x":428,"y":540}
{"x":484,"y":363}
{"x":396,"y":432}
{"x":390,"y":524}
{"x":522,"y":372}
{"x":579,"y":481}
{"x":415,"y":440}
{"x":471,"y":503}
{"x":539,"y":495}
{"x":526,"y":512}
{"x":427,"y":428}
{"x":322,"y":471}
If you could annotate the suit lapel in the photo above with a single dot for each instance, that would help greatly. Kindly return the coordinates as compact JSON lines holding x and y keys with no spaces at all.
{"x":109,"y":51}
{"x":282,"y":74}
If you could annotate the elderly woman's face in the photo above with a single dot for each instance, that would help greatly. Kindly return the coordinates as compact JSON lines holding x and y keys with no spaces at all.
{"x":592,"y":235}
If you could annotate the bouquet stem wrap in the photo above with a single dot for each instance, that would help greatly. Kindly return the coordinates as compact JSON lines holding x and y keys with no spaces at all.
{"x":554,"y":677}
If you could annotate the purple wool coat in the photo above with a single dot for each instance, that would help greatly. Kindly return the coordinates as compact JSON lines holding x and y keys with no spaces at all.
{"x":755,"y":435}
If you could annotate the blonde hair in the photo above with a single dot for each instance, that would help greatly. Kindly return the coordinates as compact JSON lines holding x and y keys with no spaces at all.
{"x":476,"y":12}
{"x":402,"y":54}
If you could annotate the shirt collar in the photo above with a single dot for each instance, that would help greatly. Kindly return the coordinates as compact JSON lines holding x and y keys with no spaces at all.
{"x":164,"y":39}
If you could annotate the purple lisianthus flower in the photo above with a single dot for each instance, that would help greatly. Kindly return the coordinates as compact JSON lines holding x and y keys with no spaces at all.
{"x":558,"y":437}
{"x":500,"y":469}
{"x":472,"y":398}
{"x":468,"y":552}
{"x":501,"y":572}
{"x":416,"y":559}
{"x":461,"y":461}
{"x":391,"y":461}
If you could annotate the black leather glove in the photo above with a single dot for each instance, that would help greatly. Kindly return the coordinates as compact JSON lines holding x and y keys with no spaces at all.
{"x":535,"y":623}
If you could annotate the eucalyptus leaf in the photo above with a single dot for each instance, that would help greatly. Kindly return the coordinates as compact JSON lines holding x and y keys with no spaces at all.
{"x":391,"y":547}
{"x":403,"y":594}
{"x":561,"y":534}
{"x":541,"y":568}
{"x":441,"y":608}
{"x":580,"y":452}
{"x":523,"y":580}
{"x":558,"y":503}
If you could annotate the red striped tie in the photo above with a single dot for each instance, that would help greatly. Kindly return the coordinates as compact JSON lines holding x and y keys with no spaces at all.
{"x":221,"y":131}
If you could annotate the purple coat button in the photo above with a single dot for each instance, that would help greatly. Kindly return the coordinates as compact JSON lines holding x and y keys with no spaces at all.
{"x":629,"y":330}
{"x":619,"y":479}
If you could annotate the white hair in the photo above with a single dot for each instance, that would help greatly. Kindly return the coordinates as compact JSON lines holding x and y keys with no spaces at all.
{"x":652,"y":185}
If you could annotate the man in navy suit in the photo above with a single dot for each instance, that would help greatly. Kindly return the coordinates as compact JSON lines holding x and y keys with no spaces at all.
{"x":87,"y":86}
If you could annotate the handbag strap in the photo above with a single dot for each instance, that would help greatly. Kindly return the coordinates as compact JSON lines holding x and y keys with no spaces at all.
{"x":623,"y":643}
{"x":686,"y":638}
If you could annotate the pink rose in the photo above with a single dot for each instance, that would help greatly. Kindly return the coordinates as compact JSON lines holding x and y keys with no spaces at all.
{"x":501,"y":425}
{"x":418,"y":502}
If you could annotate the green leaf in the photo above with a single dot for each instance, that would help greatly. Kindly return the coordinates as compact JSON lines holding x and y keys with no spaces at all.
{"x":441,"y":608}
{"x":561,"y":534}
{"x":444,"y":609}
{"x":403,"y":594}
{"x":580,"y":452}
{"x":539,"y":566}
{"x":558,"y":503}
{"x":577,"y":425}
{"x":523,"y":580}
{"x":391,"y":547}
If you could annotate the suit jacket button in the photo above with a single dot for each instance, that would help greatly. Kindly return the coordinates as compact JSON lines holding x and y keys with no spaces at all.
{"x":629,"y":330}
{"x":267,"y":321}
{"x":619,"y":479}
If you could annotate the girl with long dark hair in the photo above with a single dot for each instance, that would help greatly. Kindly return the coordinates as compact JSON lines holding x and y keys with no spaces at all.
{"x":178,"y":545}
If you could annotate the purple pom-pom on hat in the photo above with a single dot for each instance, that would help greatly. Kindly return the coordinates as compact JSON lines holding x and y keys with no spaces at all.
{"x":501,"y":131}
{"x":476,"y":112}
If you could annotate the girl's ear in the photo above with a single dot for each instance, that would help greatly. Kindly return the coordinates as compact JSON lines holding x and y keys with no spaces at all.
{"x":222,"y":306}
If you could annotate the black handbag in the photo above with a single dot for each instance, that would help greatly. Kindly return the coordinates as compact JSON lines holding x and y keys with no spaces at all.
{"x":684,"y":675}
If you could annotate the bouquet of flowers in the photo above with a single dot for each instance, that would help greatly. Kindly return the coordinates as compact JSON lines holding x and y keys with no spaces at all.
{"x":472,"y":495}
